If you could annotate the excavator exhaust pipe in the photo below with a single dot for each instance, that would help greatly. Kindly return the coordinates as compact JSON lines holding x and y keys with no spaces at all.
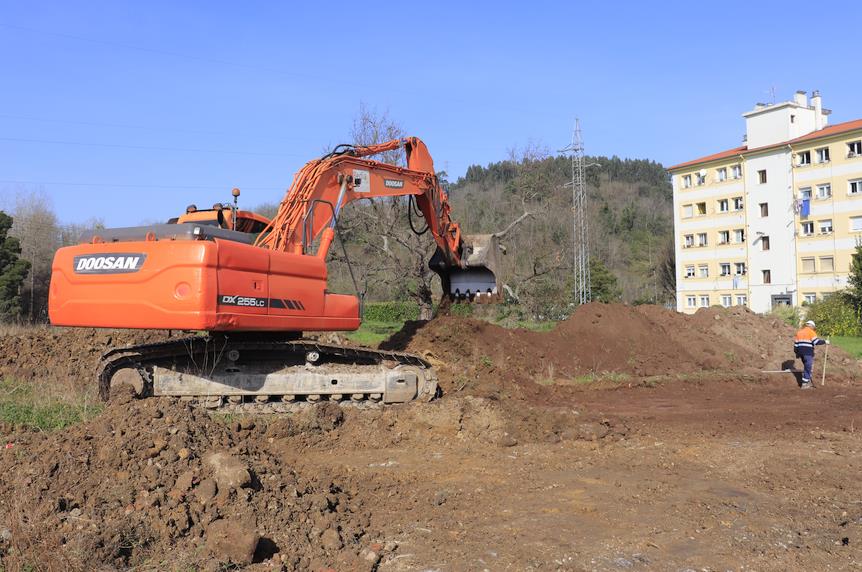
{"x":478,"y":279}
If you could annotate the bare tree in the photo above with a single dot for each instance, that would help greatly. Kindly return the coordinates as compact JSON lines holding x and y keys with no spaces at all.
{"x":385,"y":252}
{"x":35,"y":226}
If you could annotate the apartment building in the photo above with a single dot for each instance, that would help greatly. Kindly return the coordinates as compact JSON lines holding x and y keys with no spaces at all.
{"x":774,"y":221}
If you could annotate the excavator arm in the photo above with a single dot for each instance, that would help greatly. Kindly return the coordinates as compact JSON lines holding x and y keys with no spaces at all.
{"x":323,"y":187}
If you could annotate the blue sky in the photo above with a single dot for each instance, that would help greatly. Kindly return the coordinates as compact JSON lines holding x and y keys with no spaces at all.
{"x":129,"y":111}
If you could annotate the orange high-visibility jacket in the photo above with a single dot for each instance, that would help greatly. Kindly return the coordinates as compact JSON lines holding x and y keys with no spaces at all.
{"x":805,"y":340}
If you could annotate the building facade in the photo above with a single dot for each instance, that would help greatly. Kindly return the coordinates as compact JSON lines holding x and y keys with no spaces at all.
{"x":774,"y":221}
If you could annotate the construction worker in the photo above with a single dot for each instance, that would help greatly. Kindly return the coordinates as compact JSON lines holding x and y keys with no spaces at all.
{"x":803,"y":346}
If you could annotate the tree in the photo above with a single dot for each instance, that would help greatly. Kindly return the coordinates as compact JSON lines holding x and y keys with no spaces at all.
{"x":36,"y":228}
{"x":667,"y":271}
{"x":603,"y":282}
{"x":13,"y":270}
{"x":384,"y":251}
{"x":854,"y":280}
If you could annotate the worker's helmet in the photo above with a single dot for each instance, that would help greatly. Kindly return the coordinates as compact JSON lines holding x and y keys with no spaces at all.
{"x":810,"y":323}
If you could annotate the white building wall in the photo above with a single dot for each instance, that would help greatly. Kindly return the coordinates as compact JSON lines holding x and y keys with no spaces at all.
{"x":780,"y":259}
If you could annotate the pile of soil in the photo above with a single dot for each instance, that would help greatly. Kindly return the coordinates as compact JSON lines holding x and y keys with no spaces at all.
{"x":153,"y":478}
{"x":64,"y":353}
{"x":606,"y":340}
{"x":154,"y":481}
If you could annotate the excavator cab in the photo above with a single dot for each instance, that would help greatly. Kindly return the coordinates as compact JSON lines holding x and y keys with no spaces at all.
{"x":226,"y":217}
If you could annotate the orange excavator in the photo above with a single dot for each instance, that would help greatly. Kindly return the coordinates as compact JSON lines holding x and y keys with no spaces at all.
{"x":254,"y":285}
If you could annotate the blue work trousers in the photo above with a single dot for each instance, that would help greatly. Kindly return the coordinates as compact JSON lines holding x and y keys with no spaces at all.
{"x":807,"y":366}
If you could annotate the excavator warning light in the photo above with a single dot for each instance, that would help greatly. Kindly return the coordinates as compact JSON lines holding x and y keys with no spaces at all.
{"x":235,"y":192}
{"x":191,"y":208}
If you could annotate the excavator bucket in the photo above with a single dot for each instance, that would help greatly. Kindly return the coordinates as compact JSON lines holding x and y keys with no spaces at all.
{"x":478,"y":280}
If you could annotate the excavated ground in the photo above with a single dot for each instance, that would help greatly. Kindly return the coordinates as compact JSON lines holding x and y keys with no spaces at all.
{"x":625,"y":439}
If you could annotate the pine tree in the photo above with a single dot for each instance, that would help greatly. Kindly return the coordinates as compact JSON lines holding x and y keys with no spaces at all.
{"x":603,"y":283}
{"x":13,"y":270}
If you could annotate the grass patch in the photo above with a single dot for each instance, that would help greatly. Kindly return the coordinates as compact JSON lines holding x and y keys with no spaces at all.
{"x":850,"y":344}
{"x":610,"y":376}
{"x":36,"y":406}
{"x":531,"y":325}
{"x":371,"y":333}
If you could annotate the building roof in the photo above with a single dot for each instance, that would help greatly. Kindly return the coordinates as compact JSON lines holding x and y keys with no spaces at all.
{"x":828,"y":131}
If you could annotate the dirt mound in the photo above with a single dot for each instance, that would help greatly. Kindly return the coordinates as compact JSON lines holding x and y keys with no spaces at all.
{"x":604,"y":340}
{"x":61,"y":353}
{"x":152,"y":480}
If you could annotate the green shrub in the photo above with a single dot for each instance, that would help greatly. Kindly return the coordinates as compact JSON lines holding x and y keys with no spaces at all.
{"x":391,"y":311}
{"x":462,"y":310}
{"x":788,"y":314}
{"x":835,"y":316}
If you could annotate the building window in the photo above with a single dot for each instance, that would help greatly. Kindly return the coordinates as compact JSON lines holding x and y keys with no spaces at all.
{"x":704,"y":301}
{"x":823,"y":155}
{"x":690,"y":301}
{"x":826,"y":226}
{"x":737,"y":204}
{"x":827,"y":264}
{"x":764,"y":243}
{"x":687,"y":211}
{"x":856,"y":224}
{"x":761,"y":176}
{"x":855,"y":187}
{"x":725,"y":268}
{"x":689,"y":241}
{"x":689,"y":271}
{"x":736,"y":171}
{"x":807,"y":228}
{"x":726,"y":300}
{"x":808,"y":265}
{"x":764,"y":209}
{"x":803,"y":158}
{"x":741,"y":300}
{"x":792,"y":118}
{"x":703,"y":271}
{"x":701,"y":179}
{"x":686,"y":182}
{"x":809,"y":298}
{"x":723,"y":236}
{"x":722,"y":174}
{"x":739,"y":235}
{"x":701,"y":239}
{"x":767,"y":276}
{"x":824,"y":191}
{"x":805,"y":193}
{"x":701,"y":209}
{"x":854,"y":149}
{"x":740,"y":268}
{"x":723,"y":205}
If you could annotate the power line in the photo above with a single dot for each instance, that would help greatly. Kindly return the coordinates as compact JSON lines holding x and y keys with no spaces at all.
{"x":104,"y":124}
{"x":145,"y":147}
{"x":138,"y":186}
{"x":155,"y":128}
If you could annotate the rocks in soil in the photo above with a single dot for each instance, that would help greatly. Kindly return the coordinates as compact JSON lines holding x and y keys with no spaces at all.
{"x":232,"y":541}
{"x":227,"y":471}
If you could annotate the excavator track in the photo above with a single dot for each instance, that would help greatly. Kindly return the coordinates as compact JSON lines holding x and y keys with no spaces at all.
{"x":265,"y":374}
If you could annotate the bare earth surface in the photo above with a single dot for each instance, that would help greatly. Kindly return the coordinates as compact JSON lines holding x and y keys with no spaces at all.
{"x":587,"y":448}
